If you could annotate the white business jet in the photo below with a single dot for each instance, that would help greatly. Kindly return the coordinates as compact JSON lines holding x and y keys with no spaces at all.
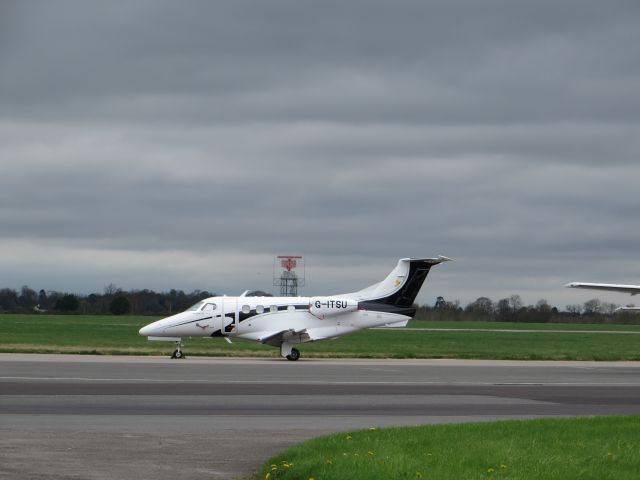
{"x":609,"y":287}
{"x":287,"y":321}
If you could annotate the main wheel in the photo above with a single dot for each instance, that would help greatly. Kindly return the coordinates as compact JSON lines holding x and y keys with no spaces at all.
{"x":294,"y":355}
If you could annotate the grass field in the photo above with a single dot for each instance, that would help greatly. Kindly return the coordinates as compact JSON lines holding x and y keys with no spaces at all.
{"x":551,"y":449}
{"x":111,"y":335}
{"x":523,"y":326}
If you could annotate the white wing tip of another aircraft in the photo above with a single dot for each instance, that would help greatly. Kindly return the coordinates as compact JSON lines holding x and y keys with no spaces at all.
{"x":595,"y":285}
{"x":610,"y":287}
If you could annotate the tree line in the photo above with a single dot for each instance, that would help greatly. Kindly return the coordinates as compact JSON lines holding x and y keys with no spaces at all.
{"x":115,"y":301}
{"x":513,"y":309}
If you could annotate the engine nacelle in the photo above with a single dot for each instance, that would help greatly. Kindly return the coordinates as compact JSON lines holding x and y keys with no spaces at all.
{"x":326,"y":306}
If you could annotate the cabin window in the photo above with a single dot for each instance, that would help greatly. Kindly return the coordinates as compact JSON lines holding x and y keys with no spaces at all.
{"x":274,"y":308}
{"x":259,"y":309}
{"x":291,"y":308}
{"x":246,"y":309}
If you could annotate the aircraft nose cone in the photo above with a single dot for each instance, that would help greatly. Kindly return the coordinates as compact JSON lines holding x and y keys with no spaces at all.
{"x":146,"y":330}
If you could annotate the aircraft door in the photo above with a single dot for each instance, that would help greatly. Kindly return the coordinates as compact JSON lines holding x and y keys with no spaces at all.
{"x":229,"y":316}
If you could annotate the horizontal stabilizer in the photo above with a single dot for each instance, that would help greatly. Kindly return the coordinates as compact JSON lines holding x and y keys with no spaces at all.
{"x":433,"y":261}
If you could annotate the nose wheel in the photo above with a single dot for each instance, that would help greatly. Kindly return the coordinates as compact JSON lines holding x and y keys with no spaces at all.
{"x":177,"y":353}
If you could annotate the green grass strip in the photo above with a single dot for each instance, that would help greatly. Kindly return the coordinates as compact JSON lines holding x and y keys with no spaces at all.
{"x":112,"y":335}
{"x":524,"y":326}
{"x":597,"y":448}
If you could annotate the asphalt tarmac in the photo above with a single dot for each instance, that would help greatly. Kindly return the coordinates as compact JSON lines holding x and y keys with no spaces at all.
{"x":98,"y":417}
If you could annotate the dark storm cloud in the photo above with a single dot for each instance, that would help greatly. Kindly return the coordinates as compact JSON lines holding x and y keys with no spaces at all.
{"x":162,"y":144}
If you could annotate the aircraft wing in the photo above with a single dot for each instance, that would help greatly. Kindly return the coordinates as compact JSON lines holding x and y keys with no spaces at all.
{"x":611,"y":287}
{"x":276,"y":338}
{"x":302,"y":336}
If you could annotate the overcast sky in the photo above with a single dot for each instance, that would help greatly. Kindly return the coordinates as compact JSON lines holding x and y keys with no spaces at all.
{"x":183,"y":144}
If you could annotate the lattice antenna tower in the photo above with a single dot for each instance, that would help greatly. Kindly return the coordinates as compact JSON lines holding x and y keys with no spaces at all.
{"x":288,"y":274}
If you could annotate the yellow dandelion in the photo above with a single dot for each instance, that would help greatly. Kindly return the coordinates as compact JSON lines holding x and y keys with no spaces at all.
{"x":370,"y":454}
{"x":418,"y":474}
{"x":286,"y":465}
{"x":273,"y":465}
{"x":491,"y":470}
{"x":372,"y":429}
{"x":267,"y":476}
{"x":328,"y":461}
{"x":349,"y":437}
{"x":503,"y":466}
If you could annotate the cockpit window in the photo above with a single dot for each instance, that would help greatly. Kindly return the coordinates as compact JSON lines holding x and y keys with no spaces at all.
{"x":209,"y":307}
{"x":196,"y":307}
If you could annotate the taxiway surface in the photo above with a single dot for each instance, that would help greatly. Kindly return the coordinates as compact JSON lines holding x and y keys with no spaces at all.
{"x":126,"y":417}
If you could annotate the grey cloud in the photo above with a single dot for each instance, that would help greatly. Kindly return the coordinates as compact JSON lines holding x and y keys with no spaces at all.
{"x":504,"y":135}
{"x":445,"y":62}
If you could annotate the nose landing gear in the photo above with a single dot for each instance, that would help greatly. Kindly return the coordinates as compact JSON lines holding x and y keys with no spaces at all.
{"x":177,"y":353}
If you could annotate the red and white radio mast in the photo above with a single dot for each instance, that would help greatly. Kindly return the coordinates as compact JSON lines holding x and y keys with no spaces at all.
{"x":286,"y":274}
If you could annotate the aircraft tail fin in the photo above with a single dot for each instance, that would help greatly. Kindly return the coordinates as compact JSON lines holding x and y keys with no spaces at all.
{"x":402,"y":285}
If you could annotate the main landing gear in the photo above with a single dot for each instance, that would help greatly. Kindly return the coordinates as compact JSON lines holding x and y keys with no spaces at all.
{"x":177,"y":353}
{"x":294,"y":355}
{"x":288,"y":352}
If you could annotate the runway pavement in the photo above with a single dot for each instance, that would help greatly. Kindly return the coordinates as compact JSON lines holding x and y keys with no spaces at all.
{"x":125,"y":417}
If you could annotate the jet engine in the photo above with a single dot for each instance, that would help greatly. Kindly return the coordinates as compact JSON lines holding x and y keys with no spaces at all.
{"x":326,"y":306}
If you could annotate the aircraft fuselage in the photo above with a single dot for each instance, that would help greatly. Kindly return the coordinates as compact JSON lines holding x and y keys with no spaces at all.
{"x":287,"y":321}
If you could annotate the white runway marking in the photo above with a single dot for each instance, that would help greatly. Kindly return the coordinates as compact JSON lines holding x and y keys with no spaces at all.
{"x":315,"y":382}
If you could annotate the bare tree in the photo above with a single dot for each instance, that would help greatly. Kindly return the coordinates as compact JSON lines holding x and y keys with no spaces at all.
{"x":482,"y":306}
{"x":515,"y":302}
{"x":608,"y":308}
{"x":591,"y":307}
{"x":574,"y":309}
